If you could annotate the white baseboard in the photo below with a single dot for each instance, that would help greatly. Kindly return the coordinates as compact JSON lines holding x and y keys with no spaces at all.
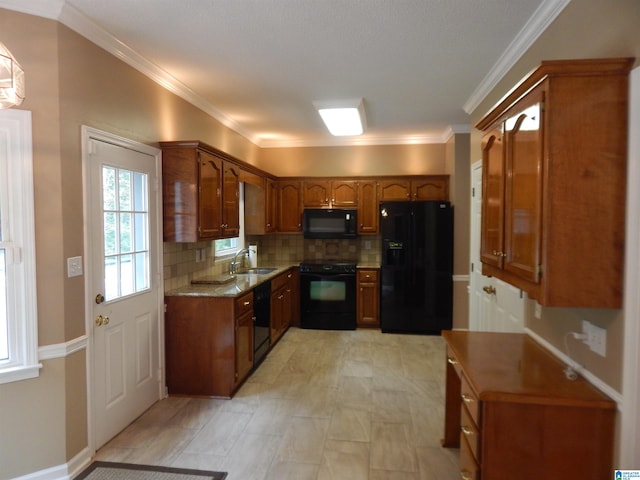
{"x":61,"y":472}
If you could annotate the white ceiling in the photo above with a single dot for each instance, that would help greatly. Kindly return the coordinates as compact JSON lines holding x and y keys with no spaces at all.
{"x":257,"y":65}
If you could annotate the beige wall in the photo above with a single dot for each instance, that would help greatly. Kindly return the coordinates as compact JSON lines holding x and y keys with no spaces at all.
{"x":585,"y":29}
{"x":350,"y":161}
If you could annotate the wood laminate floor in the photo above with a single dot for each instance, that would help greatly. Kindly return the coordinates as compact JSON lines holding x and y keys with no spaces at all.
{"x":324,"y":405}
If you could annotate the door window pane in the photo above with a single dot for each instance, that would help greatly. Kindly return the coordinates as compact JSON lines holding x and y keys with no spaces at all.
{"x":126,"y":232}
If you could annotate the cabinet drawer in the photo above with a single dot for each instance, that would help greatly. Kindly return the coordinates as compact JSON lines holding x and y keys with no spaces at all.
{"x":280,"y":281}
{"x":469,"y":431}
{"x":469,"y":469}
{"x":368,"y":275}
{"x":469,"y":400}
{"x":244,"y":304}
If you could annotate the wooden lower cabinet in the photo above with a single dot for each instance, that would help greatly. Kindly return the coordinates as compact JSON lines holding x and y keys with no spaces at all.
{"x":368,"y":298}
{"x":208,"y":344}
{"x":513,"y":413}
{"x":283,"y":295}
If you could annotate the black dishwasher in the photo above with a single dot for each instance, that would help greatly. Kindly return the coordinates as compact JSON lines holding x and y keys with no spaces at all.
{"x":261,"y":321}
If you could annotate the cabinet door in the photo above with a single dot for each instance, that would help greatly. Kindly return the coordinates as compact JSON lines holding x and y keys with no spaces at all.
{"x":395,"y":190}
{"x":294,"y":285}
{"x":315,"y":193}
{"x":368,"y":301}
{"x":289,"y":207}
{"x":491,"y":238}
{"x":231,"y":200}
{"x":523,"y":190}
{"x":433,"y":188}
{"x":244,"y":346}
{"x":271,"y":205}
{"x":368,"y":207}
{"x":277,"y":314}
{"x":344,"y":194}
{"x":209,"y":195}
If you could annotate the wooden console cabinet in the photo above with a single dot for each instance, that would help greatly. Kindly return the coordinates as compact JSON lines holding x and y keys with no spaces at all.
{"x":513,"y":413}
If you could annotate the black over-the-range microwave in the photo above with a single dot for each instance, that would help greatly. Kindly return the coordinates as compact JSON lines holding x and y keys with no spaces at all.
{"x":329,"y":223}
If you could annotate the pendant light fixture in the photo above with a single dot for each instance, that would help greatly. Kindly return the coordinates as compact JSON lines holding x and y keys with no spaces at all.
{"x":11,"y":79}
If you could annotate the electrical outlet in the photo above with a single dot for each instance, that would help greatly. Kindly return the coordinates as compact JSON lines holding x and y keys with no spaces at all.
{"x":596,"y":338}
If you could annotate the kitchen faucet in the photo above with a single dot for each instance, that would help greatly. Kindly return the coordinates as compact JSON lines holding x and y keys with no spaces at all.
{"x":233,"y":266}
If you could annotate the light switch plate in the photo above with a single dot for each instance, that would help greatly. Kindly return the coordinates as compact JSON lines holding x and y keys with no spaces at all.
{"x":74,"y":266}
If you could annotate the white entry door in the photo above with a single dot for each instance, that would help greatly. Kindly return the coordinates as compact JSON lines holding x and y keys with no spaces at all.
{"x":494,"y":305}
{"x":125,"y":293}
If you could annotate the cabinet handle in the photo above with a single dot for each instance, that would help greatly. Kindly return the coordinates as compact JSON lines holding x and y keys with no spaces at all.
{"x":289,"y":276}
{"x":489,"y":289}
{"x":280,"y":297}
{"x":452,"y":361}
{"x":466,"y":398}
{"x":464,"y":475}
{"x":466,"y":431}
{"x":247,"y":303}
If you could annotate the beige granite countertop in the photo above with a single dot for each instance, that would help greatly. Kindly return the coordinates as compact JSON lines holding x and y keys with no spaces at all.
{"x":239,"y":284}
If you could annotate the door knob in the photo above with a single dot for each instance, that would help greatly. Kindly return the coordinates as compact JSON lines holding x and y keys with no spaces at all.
{"x":99,"y":299}
{"x":491,"y":290}
{"x":102,"y":320}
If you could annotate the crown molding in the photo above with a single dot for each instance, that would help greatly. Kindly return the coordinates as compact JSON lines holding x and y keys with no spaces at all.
{"x":538,"y":23}
{"x":368,"y":140}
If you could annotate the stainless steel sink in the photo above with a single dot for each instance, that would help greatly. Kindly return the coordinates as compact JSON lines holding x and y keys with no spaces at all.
{"x":257,"y":271}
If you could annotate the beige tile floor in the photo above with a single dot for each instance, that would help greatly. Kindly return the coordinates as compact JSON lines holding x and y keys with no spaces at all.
{"x":324,"y":405}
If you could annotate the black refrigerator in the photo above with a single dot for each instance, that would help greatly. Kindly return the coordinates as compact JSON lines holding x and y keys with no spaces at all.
{"x":417,"y":267}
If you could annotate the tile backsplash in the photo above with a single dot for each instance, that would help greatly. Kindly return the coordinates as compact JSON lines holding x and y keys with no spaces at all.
{"x":186,"y":261}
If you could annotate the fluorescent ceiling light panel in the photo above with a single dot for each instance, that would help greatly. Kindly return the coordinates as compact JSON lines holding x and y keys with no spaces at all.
{"x":343,"y":117}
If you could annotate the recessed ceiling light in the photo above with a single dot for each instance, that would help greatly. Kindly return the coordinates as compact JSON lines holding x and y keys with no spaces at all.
{"x":342,"y":117}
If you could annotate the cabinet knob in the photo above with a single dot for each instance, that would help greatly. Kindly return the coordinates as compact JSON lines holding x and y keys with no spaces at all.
{"x":466,"y":398}
{"x":452,"y":361}
{"x":464,"y":475}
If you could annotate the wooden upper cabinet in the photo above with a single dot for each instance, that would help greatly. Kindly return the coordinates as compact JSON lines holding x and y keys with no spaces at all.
{"x":554,"y":176}
{"x":435,"y":187}
{"x":230,"y":200}
{"x":329,"y":193}
{"x":432,"y":187}
{"x":523,"y":202}
{"x":210,"y":174}
{"x":316,"y":193}
{"x":492,"y":236}
{"x":260,"y":206}
{"x":368,"y":216}
{"x":397,"y":189}
{"x":191,"y":190}
{"x":289,"y":207}
{"x":344,"y":193}
{"x":200,"y":191}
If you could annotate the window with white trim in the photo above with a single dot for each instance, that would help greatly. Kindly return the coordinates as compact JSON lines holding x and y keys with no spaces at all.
{"x":18,"y":310}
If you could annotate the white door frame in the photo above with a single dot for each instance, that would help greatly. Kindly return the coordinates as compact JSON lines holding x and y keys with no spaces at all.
{"x":88,"y":134}
{"x":630,"y":421}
